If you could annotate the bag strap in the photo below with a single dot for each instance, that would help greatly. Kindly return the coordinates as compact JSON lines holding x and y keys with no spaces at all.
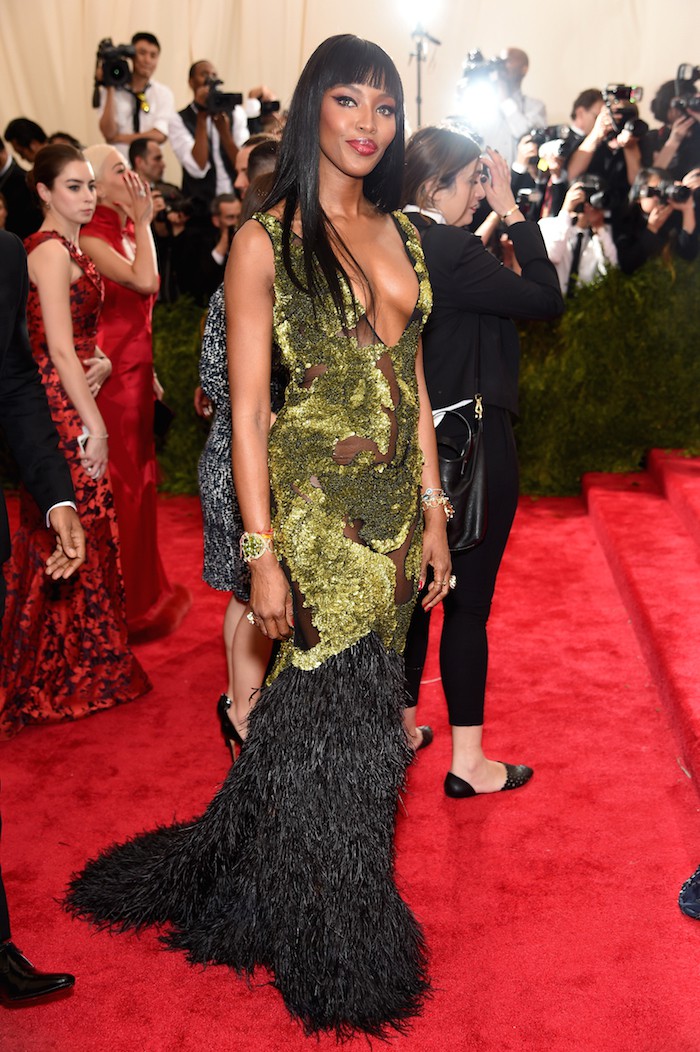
{"x":449,"y":443}
{"x":478,"y":398}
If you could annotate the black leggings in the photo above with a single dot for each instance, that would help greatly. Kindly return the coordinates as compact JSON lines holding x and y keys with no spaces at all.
{"x":463,"y":645}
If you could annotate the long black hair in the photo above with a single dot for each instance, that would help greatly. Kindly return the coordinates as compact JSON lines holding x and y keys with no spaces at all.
{"x":342,"y":59}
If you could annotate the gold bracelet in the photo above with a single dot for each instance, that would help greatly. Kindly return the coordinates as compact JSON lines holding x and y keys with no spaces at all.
{"x":437,"y":498}
{"x":254,"y":545}
{"x":510,"y":211}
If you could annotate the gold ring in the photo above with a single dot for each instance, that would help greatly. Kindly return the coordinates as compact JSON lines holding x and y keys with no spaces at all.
{"x":250,"y":616}
{"x":453,"y":580}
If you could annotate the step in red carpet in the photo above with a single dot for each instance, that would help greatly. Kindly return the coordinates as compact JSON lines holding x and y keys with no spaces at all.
{"x":550,"y":912}
{"x":649,"y":527}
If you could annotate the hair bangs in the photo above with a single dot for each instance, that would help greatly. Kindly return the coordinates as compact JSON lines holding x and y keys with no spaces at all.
{"x":355,"y":61}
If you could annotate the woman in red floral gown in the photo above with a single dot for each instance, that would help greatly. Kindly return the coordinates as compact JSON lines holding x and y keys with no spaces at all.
{"x":64,"y":643}
{"x":119,"y":241}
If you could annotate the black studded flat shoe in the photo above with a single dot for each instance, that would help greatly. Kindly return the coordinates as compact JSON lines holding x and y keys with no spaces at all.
{"x":689,"y":898}
{"x":516,"y":775}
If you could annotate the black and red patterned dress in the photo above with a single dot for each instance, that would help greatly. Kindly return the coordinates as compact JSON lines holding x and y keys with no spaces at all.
{"x":64,"y":648}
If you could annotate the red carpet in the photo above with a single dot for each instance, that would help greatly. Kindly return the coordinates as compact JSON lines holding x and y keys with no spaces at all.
{"x":550,"y":912}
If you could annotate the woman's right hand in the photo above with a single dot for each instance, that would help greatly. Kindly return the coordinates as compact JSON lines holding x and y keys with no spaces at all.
{"x":270,"y":597}
{"x":95,"y":457}
{"x":136,"y":201}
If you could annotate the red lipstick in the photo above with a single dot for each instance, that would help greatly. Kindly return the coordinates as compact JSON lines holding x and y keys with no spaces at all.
{"x":365,"y":147}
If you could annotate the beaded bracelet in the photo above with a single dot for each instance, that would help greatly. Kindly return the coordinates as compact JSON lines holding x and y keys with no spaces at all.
{"x":254,"y":545}
{"x":437,"y":498}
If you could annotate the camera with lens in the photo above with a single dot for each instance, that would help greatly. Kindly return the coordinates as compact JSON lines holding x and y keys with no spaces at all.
{"x":594,"y":188}
{"x":113,"y":63}
{"x":221,"y":101}
{"x":529,"y":200}
{"x":686,"y":99}
{"x":476,"y":66}
{"x":684,"y":103}
{"x":552,"y":132}
{"x":268,"y":107}
{"x":621,"y":102}
{"x":667,"y":192}
{"x":113,"y":58}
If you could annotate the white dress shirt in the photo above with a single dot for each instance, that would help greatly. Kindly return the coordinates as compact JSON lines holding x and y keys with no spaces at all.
{"x":598,"y":252}
{"x":161,"y":102}
{"x":182,"y":141}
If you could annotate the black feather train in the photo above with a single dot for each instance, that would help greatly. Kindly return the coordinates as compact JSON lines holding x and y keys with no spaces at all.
{"x":291,"y":865}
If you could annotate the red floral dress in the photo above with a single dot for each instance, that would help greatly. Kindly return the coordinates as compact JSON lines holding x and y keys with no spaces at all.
{"x":64,"y":645}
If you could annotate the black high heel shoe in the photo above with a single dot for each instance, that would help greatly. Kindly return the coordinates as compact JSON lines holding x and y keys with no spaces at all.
{"x":516,"y":776}
{"x":426,"y":737}
{"x":228,"y":731}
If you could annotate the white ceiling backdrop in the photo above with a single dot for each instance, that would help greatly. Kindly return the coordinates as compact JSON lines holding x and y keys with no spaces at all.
{"x":47,"y":47}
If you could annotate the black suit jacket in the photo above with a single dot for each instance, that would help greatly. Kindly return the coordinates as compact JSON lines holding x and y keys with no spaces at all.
{"x":23,"y":212}
{"x":24,"y":411}
{"x":475,"y":299}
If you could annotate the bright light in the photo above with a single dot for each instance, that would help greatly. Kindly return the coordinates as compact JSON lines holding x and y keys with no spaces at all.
{"x":414,"y":13}
{"x":478,"y":101}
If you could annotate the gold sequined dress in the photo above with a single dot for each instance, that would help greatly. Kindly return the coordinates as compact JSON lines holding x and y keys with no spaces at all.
{"x":291,"y":865}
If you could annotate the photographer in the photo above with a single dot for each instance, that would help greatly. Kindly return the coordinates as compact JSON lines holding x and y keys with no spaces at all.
{"x":139,"y":108}
{"x":538,"y":177}
{"x":205,"y":142}
{"x":674,"y":146}
{"x":611,"y":150}
{"x":509,"y":115}
{"x":578,"y":241}
{"x":661,"y":213}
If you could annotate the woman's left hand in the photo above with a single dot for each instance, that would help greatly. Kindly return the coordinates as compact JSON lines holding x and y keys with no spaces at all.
{"x":436,"y":554}
{"x":158,"y":390}
{"x":99,"y":370}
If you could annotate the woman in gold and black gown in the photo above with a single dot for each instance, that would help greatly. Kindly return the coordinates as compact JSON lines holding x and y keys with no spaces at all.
{"x":291,"y":866}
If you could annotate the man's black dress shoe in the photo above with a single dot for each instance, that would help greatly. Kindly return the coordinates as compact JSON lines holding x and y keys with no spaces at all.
{"x":20,"y":981}
{"x":689,"y":898}
{"x":516,"y":775}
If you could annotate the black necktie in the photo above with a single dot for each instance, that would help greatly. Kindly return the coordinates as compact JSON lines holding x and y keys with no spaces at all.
{"x":575,"y":260}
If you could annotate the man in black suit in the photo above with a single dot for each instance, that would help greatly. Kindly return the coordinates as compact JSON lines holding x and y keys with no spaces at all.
{"x":25,"y":417}
{"x":23,"y":212}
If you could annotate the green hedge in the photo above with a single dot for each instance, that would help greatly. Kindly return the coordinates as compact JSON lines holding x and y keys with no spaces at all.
{"x":176,"y":342}
{"x":617,"y":375}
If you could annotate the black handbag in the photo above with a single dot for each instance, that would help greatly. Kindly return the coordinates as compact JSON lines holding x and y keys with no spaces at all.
{"x":163,"y":417}
{"x":463,"y":478}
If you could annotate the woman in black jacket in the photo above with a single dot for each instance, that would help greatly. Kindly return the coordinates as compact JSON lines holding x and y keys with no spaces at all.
{"x":474,"y":301}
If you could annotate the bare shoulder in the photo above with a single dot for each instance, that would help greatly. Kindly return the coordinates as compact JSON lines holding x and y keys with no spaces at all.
{"x":50,"y":256}
{"x":52,"y":249}
{"x":253,"y":246}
